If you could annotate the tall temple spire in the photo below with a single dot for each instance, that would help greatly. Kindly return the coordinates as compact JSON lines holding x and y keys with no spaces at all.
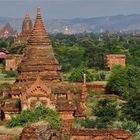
{"x":27,"y":23}
{"x":27,"y":15}
{"x":39,"y":35}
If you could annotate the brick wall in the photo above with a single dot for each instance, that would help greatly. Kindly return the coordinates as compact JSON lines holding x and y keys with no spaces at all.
{"x":94,"y":134}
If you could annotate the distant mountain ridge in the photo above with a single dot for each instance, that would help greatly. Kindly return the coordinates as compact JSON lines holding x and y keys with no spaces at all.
{"x":79,"y":25}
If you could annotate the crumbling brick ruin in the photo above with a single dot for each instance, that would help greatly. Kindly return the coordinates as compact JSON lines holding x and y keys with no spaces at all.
{"x":115,"y":59}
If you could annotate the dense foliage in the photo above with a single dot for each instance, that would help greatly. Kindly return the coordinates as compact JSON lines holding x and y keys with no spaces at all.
{"x":105,"y":112}
{"x":118,"y":81}
{"x":10,"y":73}
{"x":126,"y":83}
{"x":132,"y":126}
{"x":38,"y":114}
{"x":18,"y":50}
{"x":87,"y":50}
{"x":77,"y":75}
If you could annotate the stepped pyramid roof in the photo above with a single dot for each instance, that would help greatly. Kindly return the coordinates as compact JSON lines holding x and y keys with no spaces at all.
{"x":39,"y":35}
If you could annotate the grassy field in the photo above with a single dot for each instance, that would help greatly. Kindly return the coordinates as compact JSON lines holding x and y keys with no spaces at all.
{"x":4,"y":79}
{"x":10,"y":81}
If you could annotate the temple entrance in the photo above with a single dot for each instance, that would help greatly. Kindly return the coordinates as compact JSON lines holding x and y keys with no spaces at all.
{"x":2,"y":61}
{"x":2,"y":115}
{"x":38,"y":104}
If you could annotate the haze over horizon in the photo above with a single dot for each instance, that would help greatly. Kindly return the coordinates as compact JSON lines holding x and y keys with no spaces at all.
{"x":68,"y":9}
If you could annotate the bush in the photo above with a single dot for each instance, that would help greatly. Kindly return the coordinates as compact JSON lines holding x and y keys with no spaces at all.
{"x":77,"y":75}
{"x":117,"y":81}
{"x":132,"y":126}
{"x":11,"y":73}
{"x":100,"y":76}
{"x":106,"y":112}
{"x":89,"y":123}
{"x":124,"y":80}
{"x":38,"y":114}
{"x":18,"y":49}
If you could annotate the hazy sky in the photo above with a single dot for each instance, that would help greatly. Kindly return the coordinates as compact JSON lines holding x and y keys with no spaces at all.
{"x":69,"y":8}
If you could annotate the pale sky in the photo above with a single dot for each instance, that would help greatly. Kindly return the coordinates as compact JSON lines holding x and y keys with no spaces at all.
{"x":62,"y":9}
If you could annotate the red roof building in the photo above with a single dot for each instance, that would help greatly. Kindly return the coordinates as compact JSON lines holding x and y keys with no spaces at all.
{"x":2,"y":55}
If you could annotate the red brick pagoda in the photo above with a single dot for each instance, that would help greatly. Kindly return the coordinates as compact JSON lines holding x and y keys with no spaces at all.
{"x":26,"y":31}
{"x":39,"y":81}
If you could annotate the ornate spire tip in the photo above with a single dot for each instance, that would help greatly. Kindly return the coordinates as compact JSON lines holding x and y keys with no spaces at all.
{"x":38,"y":10}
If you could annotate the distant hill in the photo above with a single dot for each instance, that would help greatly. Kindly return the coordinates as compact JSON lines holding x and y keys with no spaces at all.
{"x":78,"y":25}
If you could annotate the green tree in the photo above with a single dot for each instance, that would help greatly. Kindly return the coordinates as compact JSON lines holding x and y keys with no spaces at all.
{"x":132,"y":126}
{"x":77,"y":75}
{"x":106,"y":112}
{"x":94,"y":57}
{"x":17,"y":50}
{"x":118,"y":83}
{"x":69,"y":57}
{"x":131,"y":107}
{"x":38,"y":114}
{"x":126,"y":82}
{"x":3,"y":44}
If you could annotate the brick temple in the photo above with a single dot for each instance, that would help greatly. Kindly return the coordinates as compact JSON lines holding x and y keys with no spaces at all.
{"x":27,"y":27}
{"x":7,"y":31}
{"x":115,"y":59}
{"x":12,"y":61}
{"x":39,"y":81}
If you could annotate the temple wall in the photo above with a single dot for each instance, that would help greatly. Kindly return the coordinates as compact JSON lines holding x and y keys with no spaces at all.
{"x":96,"y":88}
{"x":77,"y":134}
{"x":12,"y":62}
{"x":10,"y":65}
{"x":98,"y":134}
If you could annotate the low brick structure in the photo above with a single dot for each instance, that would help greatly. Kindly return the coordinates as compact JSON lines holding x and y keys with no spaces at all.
{"x":115,"y":59}
{"x":9,"y":109}
{"x":3,"y":54}
{"x":40,"y":132}
{"x":43,"y":132}
{"x":12,"y":61}
{"x":106,"y":96}
{"x":96,"y":134}
{"x":97,"y":86}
